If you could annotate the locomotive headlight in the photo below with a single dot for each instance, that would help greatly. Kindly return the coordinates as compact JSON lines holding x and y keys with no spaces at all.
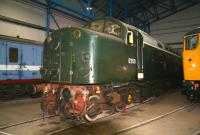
{"x":46,"y":89}
{"x":129,"y":98}
{"x":77,"y":34}
{"x":97,"y":89}
{"x":193,"y":65}
{"x":49,"y":39}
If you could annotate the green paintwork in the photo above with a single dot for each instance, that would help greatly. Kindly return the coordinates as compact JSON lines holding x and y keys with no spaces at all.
{"x":160,"y":64}
{"x":108,"y":60}
{"x":96,"y":58}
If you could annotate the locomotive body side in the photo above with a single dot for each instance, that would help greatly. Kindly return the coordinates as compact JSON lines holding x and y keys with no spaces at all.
{"x":161,"y":63}
{"x":158,"y":60}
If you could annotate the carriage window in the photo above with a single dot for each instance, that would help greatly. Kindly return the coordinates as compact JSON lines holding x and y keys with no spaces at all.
{"x":13,"y":55}
{"x":191,"y":42}
{"x":112,"y":28}
{"x":96,"y":25}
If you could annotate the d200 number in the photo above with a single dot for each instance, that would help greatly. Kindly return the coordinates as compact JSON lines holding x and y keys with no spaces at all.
{"x":131,"y":61}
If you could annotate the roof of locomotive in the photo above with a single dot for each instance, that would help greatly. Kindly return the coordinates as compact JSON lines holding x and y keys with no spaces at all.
{"x":150,"y":40}
{"x":194,"y":31}
{"x":147,"y":39}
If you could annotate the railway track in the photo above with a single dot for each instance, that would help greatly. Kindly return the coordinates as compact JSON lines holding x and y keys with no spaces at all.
{"x":197,"y":132}
{"x":2,"y":128}
{"x":143,"y":123}
{"x":4,"y":133}
{"x":140,"y":124}
{"x":44,"y":117}
{"x":25,"y":122}
{"x":18,"y":101}
{"x":101,"y":117}
{"x":131,"y":127}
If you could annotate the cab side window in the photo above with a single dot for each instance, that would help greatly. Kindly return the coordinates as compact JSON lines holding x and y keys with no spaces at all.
{"x":191,"y":42}
{"x":130,"y":38}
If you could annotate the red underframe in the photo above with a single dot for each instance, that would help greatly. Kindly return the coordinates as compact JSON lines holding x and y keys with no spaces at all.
{"x":21,"y":81}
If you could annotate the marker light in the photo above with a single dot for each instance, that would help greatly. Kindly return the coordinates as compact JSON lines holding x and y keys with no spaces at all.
{"x":49,"y":39}
{"x":77,"y":34}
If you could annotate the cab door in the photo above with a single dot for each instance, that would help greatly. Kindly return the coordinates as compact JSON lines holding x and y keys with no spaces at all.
{"x":132,"y":54}
{"x":139,"y":44}
{"x":28,"y":61}
{"x":135,"y":40}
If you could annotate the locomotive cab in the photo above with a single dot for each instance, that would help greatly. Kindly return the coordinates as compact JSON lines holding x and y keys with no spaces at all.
{"x":191,"y":63}
{"x":191,"y":57}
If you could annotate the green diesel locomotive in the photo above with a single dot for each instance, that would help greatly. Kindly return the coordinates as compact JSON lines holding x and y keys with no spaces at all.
{"x":105,"y":64}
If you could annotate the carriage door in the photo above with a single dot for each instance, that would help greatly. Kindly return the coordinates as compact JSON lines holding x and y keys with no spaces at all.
{"x":28,"y":58}
{"x":139,"y":43}
{"x":13,"y":61}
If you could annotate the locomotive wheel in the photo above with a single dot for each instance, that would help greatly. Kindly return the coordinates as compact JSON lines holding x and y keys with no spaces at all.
{"x":43,"y":106}
{"x":94,"y":108}
{"x":64,"y":109}
{"x":31,"y":90}
{"x":120,"y":106}
{"x":47,"y":108}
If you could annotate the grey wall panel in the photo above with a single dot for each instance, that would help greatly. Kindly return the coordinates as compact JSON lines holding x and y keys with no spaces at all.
{"x":172,"y":28}
{"x":32,"y":14}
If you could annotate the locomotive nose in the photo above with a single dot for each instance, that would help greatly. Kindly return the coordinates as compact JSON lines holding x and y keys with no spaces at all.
{"x":66,"y":56}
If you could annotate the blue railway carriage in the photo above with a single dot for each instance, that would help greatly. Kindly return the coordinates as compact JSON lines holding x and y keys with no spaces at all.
{"x":20,"y":61}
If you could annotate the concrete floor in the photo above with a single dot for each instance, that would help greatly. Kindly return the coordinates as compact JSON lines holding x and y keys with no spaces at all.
{"x":185,"y":122}
{"x":28,"y":109}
